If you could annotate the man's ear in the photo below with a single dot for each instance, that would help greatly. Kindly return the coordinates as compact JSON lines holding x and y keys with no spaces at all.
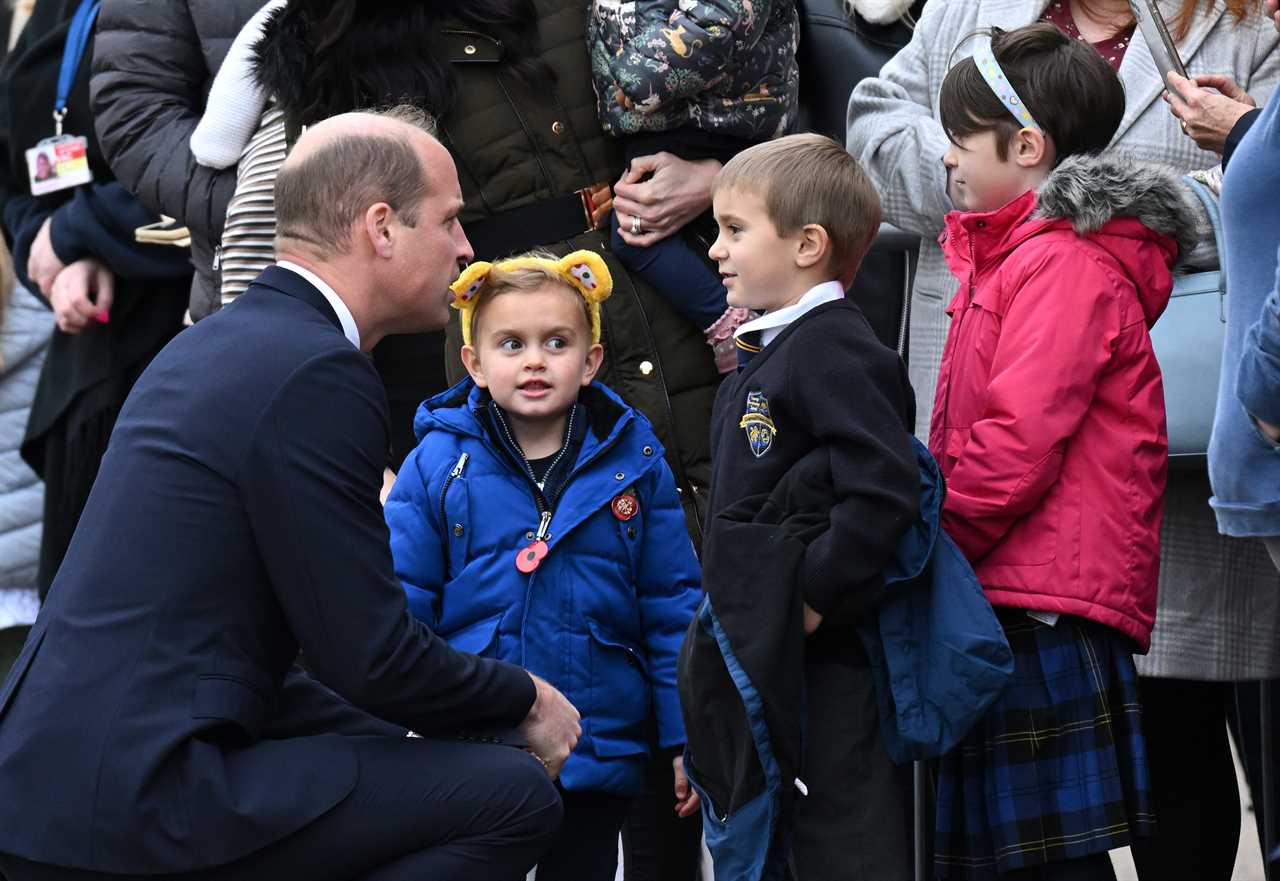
{"x":1031,"y":147}
{"x":814,"y":246}
{"x":471,"y":361}
{"x":595,"y":357}
{"x":379,"y":229}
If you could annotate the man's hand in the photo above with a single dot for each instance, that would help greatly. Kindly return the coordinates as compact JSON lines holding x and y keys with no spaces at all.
{"x":676,"y":193}
{"x":1207,"y":117}
{"x":43,"y":264}
{"x":82,"y":293}
{"x":812,"y":620}
{"x":687,"y":800}
{"x":551,"y":727}
{"x":1271,"y":9}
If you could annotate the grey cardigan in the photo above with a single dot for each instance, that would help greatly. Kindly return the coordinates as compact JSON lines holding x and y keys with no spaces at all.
{"x":1219,"y":611}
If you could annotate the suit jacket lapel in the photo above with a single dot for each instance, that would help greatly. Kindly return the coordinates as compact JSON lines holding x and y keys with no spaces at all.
{"x":1142,"y":82}
{"x":293,"y":285}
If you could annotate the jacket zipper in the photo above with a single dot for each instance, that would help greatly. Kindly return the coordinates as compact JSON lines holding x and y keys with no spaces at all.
{"x":546,"y":507}
{"x":444,"y":493}
{"x":973,"y":289}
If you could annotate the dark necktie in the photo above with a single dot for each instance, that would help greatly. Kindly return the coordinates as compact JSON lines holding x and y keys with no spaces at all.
{"x":748,"y":345}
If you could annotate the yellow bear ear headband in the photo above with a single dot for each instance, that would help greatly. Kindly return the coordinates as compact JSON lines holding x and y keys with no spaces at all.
{"x":585,"y":271}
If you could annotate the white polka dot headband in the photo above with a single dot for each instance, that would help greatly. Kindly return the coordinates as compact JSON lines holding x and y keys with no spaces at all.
{"x":585,"y":271}
{"x":985,"y":59}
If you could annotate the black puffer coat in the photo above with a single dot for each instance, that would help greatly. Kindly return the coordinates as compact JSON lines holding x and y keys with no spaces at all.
{"x":518,"y":142}
{"x":152,"y":68}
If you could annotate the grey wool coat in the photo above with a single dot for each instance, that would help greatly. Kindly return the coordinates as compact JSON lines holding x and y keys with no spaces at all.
{"x":1219,"y":606}
{"x":24,"y":337}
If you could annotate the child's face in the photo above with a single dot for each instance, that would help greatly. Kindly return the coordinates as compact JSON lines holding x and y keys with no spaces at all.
{"x":757,"y":265}
{"x":977,"y":178}
{"x":533,"y":352}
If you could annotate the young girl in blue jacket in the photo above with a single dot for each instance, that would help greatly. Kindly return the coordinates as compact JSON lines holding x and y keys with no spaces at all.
{"x":537,"y":522}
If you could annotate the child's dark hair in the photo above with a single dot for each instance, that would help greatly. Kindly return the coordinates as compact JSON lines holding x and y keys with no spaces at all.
{"x":1071,"y":91}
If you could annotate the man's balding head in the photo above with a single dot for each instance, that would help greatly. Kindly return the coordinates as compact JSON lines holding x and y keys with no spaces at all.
{"x":343,"y":165}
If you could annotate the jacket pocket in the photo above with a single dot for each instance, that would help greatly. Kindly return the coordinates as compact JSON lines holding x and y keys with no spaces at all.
{"x":480,"y":638}
{"x":455,"y":517}
{"x":20,"y":667}
{"x":619,"y":695}
{"x":232,"y":699}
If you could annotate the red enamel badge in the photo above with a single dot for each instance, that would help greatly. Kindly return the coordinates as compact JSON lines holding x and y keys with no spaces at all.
{"x":625,"y":506}
{"x":530,"y":557}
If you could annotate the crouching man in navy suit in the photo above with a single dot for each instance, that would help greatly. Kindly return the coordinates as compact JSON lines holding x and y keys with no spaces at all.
{"x":154,"y":724}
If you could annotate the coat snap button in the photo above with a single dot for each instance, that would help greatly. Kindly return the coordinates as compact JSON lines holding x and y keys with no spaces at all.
{"x":458,"y":530}
{"x":619,"y":476}
{"x":469,"y":49}
{"x":529,"y":535}
{"x":646,"y":367}
{"x":557,"y":127}
{"x":648,"y":451}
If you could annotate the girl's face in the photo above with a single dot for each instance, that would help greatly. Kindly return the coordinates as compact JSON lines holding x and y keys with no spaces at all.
{"x":977,"y":178}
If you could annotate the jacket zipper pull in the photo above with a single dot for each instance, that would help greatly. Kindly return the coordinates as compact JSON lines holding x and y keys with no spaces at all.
{"x":530,"y":557}
{"x":217,"y":258}
{"x":462,"y":463}
{"x":543,"y":525}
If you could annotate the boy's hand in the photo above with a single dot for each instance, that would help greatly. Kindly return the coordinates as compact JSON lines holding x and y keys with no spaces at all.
{"x":687,"y":801}
{"x":812,"y":620}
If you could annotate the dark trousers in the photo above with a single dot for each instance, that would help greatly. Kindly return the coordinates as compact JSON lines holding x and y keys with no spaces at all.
{"x":656,"y":844}
{"x":855,"y":824}
{"x":587,"y":847}
{"x":1246,"y":722}
{"x":1095,"y":867}
{"x":674,"y":270}
{"x":1193,"y":781}
{"x":442,"y":810}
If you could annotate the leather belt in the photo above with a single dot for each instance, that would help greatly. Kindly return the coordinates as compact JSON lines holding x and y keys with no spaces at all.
{"x":532,"y":226}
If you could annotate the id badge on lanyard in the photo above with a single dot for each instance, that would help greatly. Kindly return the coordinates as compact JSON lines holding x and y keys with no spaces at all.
{"x":62,"y":161}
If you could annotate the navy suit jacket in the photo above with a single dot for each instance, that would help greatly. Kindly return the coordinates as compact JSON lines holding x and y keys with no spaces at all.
{"x":154,"y":721}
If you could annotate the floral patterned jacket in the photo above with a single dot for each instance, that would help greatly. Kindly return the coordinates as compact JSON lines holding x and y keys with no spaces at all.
{"x":723,"y":66}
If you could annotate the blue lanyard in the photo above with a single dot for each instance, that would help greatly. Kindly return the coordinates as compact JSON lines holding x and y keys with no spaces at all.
{"x":77,"y":40}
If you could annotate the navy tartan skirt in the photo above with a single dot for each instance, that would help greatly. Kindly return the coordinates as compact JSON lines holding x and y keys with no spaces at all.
{"x":1057,"y":769}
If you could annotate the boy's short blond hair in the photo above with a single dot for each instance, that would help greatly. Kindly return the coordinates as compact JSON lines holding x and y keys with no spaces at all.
{"x":809,"y":178}
{"x":523,"y":279}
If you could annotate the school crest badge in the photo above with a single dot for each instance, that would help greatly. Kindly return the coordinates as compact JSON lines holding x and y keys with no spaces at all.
{"x":759,"y":426}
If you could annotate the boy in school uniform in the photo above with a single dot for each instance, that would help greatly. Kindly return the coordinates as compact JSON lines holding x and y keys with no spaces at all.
{"x":796,"y":216}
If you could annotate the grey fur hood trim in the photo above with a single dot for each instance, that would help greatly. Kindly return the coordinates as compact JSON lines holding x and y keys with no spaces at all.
{"x":1092,"y":190}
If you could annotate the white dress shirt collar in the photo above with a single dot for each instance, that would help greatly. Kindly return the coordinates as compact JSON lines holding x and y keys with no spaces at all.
{"x":773,"y":323}
{"x":345,"y":318}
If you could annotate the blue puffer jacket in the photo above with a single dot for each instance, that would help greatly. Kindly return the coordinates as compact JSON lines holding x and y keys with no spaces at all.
{"x":601,"y":618}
